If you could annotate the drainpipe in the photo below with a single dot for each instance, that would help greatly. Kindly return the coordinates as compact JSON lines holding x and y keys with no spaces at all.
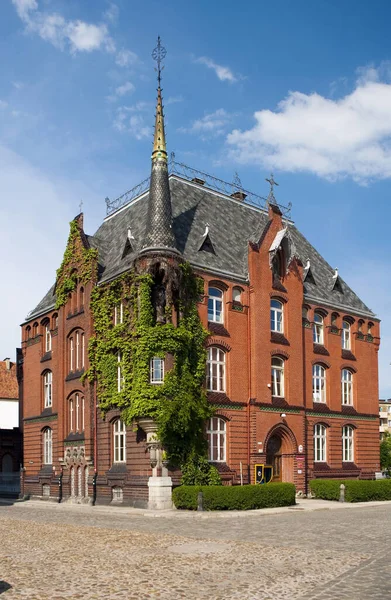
{"x":60,"y":486}
{"x":95,"y":400}
{"x":249,"y":389}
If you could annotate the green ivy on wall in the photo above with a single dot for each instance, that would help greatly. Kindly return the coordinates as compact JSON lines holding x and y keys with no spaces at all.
{"x":179,"y":405}
{"x":78,"y":264}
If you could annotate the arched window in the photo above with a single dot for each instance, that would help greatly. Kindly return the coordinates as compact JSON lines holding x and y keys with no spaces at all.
{"x":347,"y":387}
{"x":345,"y":335}
{"x":370,"y":325}
{"x":120,"y":377}
{"x":76,"y":345}
{"x":81,"y":298}
{"x":304,"y":312}
{"x":48,"y":337}
{"x":28,"y":332}
{"x":156,"y":370}
{"x":71,"y":415}
{"x":348,"y":443}
{"x":35,"y":329}
{"x":215,"y":375}
{"x":48,"y":389}
{"x":320,"y":443}
{"x":318,"y":336}
{"x":55,"y":321}
{"x":215,"y":305}
{"x":276,"y":316}
{"x":318,"y":383}
{"x":216,"y":433}
{"x":47,"y":446}
{"x":119,"y":441}
{"x":237,"y":295}
{"x":277,"y":376}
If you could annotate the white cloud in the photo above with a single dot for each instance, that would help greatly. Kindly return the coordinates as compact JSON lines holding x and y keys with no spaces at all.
{"x":348,"y":137}
{"x":78,"y":35}
{"x":3,"y":104}
{"x":223,"y":73}
{"x":112,"y":13}
{"x":210,"y":125}
{"x":126,"y":58}
{"x":18,"y":85}
{"x":126,"y":88}
{"x":173,"y":100}
{"x":129,"y":119}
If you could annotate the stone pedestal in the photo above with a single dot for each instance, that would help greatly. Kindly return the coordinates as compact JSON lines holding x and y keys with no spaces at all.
{"x":160,"y":493}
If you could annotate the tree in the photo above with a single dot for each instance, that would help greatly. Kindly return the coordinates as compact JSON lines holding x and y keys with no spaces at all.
{"x":385,"y":453}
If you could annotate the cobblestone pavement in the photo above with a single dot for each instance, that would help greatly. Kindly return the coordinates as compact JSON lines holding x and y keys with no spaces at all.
{"x":59,"y":552}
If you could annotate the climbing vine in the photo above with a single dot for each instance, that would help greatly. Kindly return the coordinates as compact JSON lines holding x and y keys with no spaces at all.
{"x":78,"y":264}
{"x":179,"y":405}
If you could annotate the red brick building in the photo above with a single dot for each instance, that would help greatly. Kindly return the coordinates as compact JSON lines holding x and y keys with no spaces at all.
{"x":292,"y":353}
{"x":11,"y":454}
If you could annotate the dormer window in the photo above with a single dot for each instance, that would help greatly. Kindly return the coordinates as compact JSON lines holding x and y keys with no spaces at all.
{"x":215,"y":305}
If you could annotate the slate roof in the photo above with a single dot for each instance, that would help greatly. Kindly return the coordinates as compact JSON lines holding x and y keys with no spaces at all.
{"x":232,"y":225}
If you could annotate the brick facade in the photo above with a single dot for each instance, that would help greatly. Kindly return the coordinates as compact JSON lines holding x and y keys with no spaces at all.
{"x":255,"y":419}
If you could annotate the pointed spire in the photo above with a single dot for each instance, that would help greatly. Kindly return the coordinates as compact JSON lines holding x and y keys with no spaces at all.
{"x":159,"y":233}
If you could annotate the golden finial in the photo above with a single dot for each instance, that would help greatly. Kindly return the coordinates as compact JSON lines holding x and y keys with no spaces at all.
{"x":159,"y":140}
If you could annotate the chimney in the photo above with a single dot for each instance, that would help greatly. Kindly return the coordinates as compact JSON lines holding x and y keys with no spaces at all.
{"x":239,"y":196}
{"x":7,"y":364}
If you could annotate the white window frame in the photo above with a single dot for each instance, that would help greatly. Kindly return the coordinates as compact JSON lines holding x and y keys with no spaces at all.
{"x":346,"y":337}
{"x":77,"y":411}
{"x":77,"y":336}
{"x":48,"y":446}
{"x":119,"y":313}
{"x":318,"y":329}
{"x":277,"y":373}
{"x":48,"y":389}
{"x":119,"y":441}
{"x":276,"y":316}
{"x":347,"y":387}
{"x":82,"y":350}
{"x":82,"y":412}
{"x":120,"y":379}
{"x":71,"y":409}
{"x":318,"y":383}
{"x":156,"y":368}
{"x":320,"y":443}
{"x":71,"y":354}
{"x":348,"y":444}
{"x":215,"y":305}
{"x":48,"y":338}
{"x":217,"y":439}
{"x":215,"y":370}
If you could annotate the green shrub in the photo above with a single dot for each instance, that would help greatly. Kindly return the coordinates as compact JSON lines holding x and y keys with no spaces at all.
{"x":236,"y":497}
{"x":198,"y":471}
{"x":355,"y":490}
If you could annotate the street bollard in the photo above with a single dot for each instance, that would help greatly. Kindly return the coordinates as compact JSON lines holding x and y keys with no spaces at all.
{"x":200,"y":499}
{"x":342,"y":493}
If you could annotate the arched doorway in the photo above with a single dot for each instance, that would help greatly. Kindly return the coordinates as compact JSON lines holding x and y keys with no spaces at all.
{"x":7,"y":464}
{"x":273,"y":456}
{"x":281,"y":449}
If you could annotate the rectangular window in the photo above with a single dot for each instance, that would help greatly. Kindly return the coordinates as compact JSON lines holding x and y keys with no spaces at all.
{"x":120,"y":378}
{"x":119,"y":432}
{"x":47,"y":389}
{"x":216,"y":434}
{"x":77,"y":409}
{"x":118,"y":314}
{"x":347,"y":444}
{"x":48,"y":339}
{"x":320,"y":443}
{"x":157,"y":370}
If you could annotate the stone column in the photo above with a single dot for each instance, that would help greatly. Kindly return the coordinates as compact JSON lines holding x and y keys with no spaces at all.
{"x":159,"y":488}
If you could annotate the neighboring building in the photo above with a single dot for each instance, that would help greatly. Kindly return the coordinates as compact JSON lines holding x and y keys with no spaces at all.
{"x":292,"y":367}
{"x":385,"y":417}
{"x":10,"y":431}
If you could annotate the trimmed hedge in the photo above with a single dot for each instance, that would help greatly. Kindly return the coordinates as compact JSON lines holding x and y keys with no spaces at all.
{"x":246,"y":497}
{"x":355,"y":490}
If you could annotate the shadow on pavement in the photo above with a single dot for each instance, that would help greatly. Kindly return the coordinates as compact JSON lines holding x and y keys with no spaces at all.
{"x":4,"y":586}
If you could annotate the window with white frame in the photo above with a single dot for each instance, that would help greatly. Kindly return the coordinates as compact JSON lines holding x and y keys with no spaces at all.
{"x":120,"y":377}
{"x":48,"y":446}
{"x":215,"y":305}
{"x":276,"y":316}
{"x":318,"y":383}
{"x":71,"y":354}
{"x":319,"y":443}
{"x":71,"y":415}
{"x":48,"y":389}
{"x":76,"y":413}
{"x":216,"y":434}
{"x":348,"y":443}
{"x":215,"y":374}
{"x":48,"y":338}
{"x":118,"y":313}
{"x":347,"y":386}
{"x":82,"y":350}
{"x":156,"y":370}
{"x":76,"y":350}
{"x":119,"y":441}
{"x":277,"y":376}
{"x":345,"y":335}
{"x":318,"y":334}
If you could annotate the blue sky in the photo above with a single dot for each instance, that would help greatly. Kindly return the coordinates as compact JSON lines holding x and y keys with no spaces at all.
{"x":299,"y":87}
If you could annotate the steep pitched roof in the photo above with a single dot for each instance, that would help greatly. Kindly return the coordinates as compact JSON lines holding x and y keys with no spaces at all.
{"x":232,"y":223}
